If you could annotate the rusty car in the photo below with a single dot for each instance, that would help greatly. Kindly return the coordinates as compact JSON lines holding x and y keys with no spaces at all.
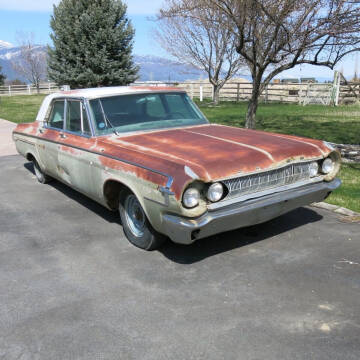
{"x":151,"y":154}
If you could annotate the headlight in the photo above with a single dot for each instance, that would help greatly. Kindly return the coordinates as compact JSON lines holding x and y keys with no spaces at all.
{"x":215,"y":192}
{"x":327,"y":166}
{"x":313,"y":169}
{"x":191,"y":198}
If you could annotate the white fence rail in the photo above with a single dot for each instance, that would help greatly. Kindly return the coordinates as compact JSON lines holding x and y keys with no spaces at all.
{"x":45,"y":88}
{"x":301,"y":93}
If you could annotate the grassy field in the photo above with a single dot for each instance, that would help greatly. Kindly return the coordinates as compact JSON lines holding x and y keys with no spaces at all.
{"x":20,"y":108}
{"x":339,"y":125}
{"x":335,"y":124}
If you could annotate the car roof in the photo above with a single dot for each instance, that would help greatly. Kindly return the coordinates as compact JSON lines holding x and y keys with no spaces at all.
{"x":113,"y":90}
{"x":93,"y":93}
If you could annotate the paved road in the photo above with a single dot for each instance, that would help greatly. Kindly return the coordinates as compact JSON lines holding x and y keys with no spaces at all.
{"x":7,"y":146}
{"x":71,"y":287}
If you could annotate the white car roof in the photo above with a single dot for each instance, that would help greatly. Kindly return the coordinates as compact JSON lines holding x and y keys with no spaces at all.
{"x":92,"y":93}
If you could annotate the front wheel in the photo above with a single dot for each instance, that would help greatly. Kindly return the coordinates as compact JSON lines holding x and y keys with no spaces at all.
{"x":136,"y":226}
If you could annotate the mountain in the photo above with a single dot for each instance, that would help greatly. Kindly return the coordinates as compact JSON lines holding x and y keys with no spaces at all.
{"x":152,"y":68}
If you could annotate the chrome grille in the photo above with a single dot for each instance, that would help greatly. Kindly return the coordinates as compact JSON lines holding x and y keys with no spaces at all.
{"x":289,"y":174}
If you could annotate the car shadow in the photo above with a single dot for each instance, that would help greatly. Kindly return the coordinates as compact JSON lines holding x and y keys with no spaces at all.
{"x":110,"y":216}
{"x":207,"y":247}
{"x":203,"y":248}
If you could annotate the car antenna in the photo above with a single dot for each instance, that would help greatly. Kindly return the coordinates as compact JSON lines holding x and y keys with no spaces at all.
{"x":107,"y":119}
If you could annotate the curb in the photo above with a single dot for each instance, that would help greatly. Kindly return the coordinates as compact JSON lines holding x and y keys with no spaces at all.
{"x":349,"y":215}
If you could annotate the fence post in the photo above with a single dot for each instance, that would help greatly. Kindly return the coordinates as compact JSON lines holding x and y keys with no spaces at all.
{"x":266,"y":94}
{"x":29,"y":89}
{"x":201,"y":93}
{"x":9,"y":90}
{"x":238,"y":92}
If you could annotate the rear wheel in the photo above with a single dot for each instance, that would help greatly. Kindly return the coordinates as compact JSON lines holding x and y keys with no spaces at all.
{"x":136,"y":226}
{"x":40,"y":175}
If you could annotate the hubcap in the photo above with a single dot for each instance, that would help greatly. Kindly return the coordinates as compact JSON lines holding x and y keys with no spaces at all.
{"x":135,"y":216}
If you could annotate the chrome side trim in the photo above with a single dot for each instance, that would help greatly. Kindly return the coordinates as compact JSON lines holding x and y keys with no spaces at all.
{"x":258,"y":194}
{"x":163,"y":189}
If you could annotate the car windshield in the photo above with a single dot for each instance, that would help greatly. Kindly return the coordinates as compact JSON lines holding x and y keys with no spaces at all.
{"x":126,"y":113}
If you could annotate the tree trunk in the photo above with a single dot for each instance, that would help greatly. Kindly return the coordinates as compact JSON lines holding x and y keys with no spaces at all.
{"x":253,"y":105}
{"x":216,"y":94}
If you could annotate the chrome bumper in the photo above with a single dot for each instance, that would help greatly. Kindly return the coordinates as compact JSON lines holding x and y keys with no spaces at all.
{"x":253,"y":211}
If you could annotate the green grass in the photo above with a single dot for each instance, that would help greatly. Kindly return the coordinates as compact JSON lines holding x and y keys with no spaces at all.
{"x":348,"y":195}
{"x":20,"y":108}
{"x":339,"y":125}
{"x":335,"y":124}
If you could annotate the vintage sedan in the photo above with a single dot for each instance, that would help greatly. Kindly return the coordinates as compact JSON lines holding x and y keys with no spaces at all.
{"x":151,"y":154}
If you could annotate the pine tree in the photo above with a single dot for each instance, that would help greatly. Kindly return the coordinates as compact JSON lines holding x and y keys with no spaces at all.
{"x":93,"y":42}
{"x":2,"y":77}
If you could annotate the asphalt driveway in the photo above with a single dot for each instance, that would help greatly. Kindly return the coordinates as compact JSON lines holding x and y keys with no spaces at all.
{"x":71,"y":287}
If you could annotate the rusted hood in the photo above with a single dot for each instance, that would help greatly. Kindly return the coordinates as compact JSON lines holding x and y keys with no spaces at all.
{"x":215,"y":151}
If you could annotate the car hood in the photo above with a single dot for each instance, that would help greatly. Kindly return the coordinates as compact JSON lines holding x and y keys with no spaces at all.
{"x":212,"y":152}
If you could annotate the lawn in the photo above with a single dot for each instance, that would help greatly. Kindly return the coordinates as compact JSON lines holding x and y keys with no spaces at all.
{"x":20,"y":108}
{"x":335,"y":124}
{"x":339,"y":125}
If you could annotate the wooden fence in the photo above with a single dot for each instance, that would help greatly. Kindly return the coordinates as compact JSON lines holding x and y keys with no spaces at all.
{"x":45,"y":88}
{"x":300,"y":93}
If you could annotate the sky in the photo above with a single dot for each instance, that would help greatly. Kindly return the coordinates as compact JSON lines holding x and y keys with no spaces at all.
{"x":33,"y":16}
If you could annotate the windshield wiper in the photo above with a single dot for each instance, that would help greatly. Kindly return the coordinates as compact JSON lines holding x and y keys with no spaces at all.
{"x":107,"y":119}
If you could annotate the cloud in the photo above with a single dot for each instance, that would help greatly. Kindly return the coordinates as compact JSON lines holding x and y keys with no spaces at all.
{"x":135,"y":7}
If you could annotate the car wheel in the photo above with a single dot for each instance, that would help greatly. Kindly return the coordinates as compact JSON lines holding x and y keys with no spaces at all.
{"x":136,"y":226}
{"x":40,"y":175}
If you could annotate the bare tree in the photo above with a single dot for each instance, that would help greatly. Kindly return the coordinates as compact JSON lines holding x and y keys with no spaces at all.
{"x":277,"y":35}
{"x":32,"y":62}
{"x":204,"y":42}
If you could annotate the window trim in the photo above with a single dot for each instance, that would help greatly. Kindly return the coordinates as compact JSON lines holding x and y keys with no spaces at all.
{"x":82,"y":101}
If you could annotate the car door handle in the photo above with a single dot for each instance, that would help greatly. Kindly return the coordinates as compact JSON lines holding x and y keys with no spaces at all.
{"x":63,"y":136}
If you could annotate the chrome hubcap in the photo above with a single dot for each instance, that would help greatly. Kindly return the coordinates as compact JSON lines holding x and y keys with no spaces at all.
{"x":135,"y":216}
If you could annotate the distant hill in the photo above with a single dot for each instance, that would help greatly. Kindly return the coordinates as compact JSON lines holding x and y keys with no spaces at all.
{"x":152,"y":68}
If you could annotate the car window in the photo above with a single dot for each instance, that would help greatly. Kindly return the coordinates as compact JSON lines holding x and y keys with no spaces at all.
{"x":154,"y":106}
{"x":137,"y":112}
{"x":73,"y":116}
{"x":56,"y":119}
{"x":86,"y":126}
{"x":76,"y":118}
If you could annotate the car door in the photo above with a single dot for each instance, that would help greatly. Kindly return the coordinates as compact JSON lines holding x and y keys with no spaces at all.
{"x":75,"y":159}
{"x":49,"y":135}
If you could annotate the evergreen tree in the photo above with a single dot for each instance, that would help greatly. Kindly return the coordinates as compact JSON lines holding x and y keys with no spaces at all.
{"x":93,"y":42}
{"x":2,"y":77}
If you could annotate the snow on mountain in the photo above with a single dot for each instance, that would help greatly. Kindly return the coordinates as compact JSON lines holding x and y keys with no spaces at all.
{"x":152,"y":68}
{"x":5,"y":45}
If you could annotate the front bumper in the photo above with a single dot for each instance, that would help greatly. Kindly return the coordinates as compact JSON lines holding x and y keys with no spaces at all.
{"x":253,"y":211}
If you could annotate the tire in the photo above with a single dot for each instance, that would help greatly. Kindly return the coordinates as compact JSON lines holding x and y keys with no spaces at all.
{"x":136,"y":226}
{"x":40,"y":175}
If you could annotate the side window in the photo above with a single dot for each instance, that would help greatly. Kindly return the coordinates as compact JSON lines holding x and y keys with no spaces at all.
{"x":86,"y":126}
{"x":73,"y":116}
{"x":76,"y":118}
{"x":56,"y":119}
